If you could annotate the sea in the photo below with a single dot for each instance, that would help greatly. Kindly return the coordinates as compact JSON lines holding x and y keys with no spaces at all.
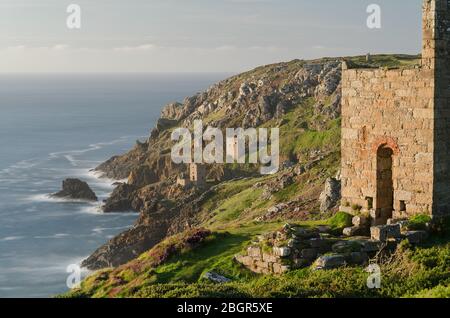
{"x":58,"y":126}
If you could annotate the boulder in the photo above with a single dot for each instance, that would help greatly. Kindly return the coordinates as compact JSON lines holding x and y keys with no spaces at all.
{"x":77,"y":190}
{"x":331,"y":195}
{"x":330,"y":262}
{"x":216,"y":278}
{"x":384,"y":232}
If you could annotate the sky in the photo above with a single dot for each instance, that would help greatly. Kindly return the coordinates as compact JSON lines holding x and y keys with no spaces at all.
{"x":173,"y":36}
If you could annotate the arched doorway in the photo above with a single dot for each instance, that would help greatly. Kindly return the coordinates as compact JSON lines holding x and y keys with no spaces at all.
{"x":385,"y":185}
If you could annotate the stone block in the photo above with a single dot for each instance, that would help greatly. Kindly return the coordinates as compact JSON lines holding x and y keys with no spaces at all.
{"x":245,"y":260}
{"x":370,"y":246}
{"x":309,"y":253}
{"x":350,"y":231}
{"x":261,"y":264}
{"x":280,"y":269}
{"x":384,"y":232}
{"x":330,"y":262}
{"x":346,"y":247}
{"x":282,"y":251}
{"x":269,"y":258}
{"x":322,"y":244}
{"x":416,"y":237}
{"x":254,"y":251}
{"x":360,"y":220}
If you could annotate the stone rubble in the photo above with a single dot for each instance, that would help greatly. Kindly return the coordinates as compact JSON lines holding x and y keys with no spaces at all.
{"x":296,"y":247}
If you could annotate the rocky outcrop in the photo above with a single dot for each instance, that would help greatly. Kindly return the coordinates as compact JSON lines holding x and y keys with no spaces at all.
{"x":76,"y":189}
{"x":142,"y":176}
{"x":331,"y":195}
{"x":128,"y":245}
{"x":121,"y":200}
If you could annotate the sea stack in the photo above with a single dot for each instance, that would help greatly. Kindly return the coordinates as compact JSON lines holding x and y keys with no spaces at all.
{"x":77,"y":190}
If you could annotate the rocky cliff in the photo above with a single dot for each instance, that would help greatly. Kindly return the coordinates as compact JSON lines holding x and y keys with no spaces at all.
{"x":302,"y":98}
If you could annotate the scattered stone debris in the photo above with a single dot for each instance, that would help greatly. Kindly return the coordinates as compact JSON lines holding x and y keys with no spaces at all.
{"x":295,"y":247}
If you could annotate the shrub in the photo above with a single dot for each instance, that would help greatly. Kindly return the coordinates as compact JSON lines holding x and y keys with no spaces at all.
{"x":419,"y":222}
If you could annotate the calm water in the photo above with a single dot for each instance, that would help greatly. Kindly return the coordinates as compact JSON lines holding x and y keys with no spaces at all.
{"x":58,"y":126}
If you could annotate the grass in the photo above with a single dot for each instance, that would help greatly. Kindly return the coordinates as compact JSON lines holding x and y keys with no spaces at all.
{"x":340,"y":220}
{"x":387,"y":60}
{"x":409,"y":272}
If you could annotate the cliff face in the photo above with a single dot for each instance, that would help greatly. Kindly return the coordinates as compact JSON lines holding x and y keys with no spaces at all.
{"x":302,"y":98}
{"x":247,"y":100}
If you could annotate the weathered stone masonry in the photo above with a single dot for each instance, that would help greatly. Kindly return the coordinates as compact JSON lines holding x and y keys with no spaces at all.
{"x":396,"y":130}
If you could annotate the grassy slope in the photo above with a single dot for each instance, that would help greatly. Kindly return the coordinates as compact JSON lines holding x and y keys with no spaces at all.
{"x":230,"y":213}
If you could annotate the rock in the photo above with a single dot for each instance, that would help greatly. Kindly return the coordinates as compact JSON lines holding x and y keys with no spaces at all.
{"x":324,"y":229}
{"x":416,"y":237}
{"x":142,"y":176}
{"x":77,"y":190}
{"x":244,"y":260}
{"x":350,"y":231}
{"x":309,"y":253}
{"x":370,"y":246}
{"x":355,"y":230}
{"x":331,"y":195}
{"x":360,"y":220}
{"x":323,"y":245}
{"x":282,"y":251}
{"x":254,"y":251}
{"x":384,"y":232}
{"x":216,"y":278}
{"x":172,"y":111}
{"x":121,"y":199}
{"x":344,"y":247}
{"x":280,"y":269}
{"x":330,"y":262}
{"x":357,"y":258}
{"x":269,"y":258}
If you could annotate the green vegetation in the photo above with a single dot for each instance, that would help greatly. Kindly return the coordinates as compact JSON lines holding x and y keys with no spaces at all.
{"x":419,"y":222}
{"x":386,"y":60}
{"x":420,"y":272}
{"x":340,"y":221}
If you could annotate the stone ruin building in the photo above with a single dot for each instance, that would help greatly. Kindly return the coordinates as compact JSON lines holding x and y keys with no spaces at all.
{"x":396,"y":130}
{"x":197,"y":174}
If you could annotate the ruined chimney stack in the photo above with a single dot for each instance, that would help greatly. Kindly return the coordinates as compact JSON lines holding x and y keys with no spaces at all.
{"x":436,"y":34}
